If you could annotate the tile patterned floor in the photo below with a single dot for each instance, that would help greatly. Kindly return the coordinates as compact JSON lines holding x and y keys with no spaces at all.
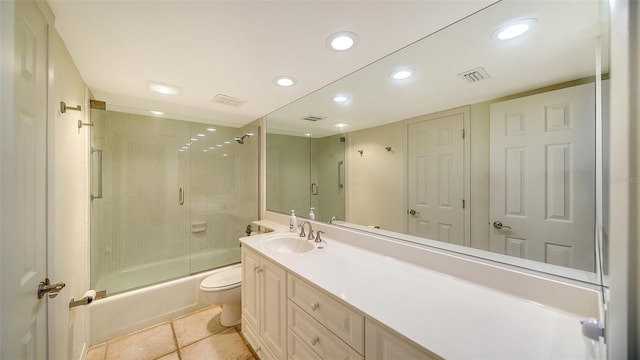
{"x":195,"y":336}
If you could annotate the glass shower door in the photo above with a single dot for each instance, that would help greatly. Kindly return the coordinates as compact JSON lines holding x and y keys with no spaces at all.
{"x":140,"y":200}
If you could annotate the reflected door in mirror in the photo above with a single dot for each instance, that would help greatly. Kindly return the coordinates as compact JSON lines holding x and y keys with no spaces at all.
{"x":543,"y":177}
{"x":436,"y":179}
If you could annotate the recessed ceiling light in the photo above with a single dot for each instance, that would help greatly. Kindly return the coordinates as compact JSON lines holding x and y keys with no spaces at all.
{"x":307,"y":134}
{"x":284,"y":81}
{"x":340,"y":125}
{"x":164,"y":89}
{"x":341,"y":98}
{"x":154,"y":112}
{"x":342,"y":41}
{"x":402,"y":73}
{"x":211,"y":129}
{"x":514,"y":29}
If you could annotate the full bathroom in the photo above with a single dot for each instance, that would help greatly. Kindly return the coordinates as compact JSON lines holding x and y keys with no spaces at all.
{"x":194,"y":180}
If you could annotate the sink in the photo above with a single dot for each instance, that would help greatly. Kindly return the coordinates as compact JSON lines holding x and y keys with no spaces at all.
{"x":289,"y":244}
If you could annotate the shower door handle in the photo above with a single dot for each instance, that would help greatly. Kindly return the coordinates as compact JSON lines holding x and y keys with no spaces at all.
{"x":340,"y":167}
{"x":99,"y":151}
{"x":181,"y":196}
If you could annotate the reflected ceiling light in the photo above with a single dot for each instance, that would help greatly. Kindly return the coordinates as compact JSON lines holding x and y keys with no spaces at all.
{"x":402,"y":73}
{"x":249,"y":134}
{"x":211,"y":148}
{"x":340,"y":125}
{"x":219,"y":145}
{"x":211,"y":129}
{"x":341,"y":98}
{"x":514,"y":29}
{"x":227,"y":142}
{"x":154,"y":112}
{"x":164,"y":89}
{"x":307,"y":134}
{"x":201,"y":135}
{"x":205,"y":150}
{"x":225,"y":155}
{"x":185,"y":147}
{"x":180,"y":150}
{"x":342,"y":41}
{"x":284,"y":81}
{"x":194,"y":139}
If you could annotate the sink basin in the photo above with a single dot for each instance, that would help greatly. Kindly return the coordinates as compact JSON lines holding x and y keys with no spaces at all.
{"x":289,"y":244}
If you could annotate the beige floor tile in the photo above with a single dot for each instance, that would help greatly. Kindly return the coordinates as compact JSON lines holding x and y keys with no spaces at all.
{"x":97,"y":352}
{"x":172,"y":356}
{"x":149,"y":343}
{"x":226,"y":345}
{"x":197,"y":326}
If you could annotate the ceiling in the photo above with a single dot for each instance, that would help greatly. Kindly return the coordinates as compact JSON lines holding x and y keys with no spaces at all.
{"x":234,"y":48}
{"x":560,"y":48}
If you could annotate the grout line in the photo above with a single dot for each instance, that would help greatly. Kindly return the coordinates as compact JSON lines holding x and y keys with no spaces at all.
{"x":175,"y":339}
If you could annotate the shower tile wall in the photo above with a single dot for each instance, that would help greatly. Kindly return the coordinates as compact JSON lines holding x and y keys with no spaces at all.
{"x":139,"y":220}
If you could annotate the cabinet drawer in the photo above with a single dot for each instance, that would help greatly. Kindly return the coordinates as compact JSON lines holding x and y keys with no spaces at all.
{"x":337,"y":317}
{"x":298,"y":350}
{"x":322,"y":341}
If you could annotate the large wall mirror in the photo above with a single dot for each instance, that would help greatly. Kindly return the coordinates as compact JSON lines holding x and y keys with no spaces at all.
{"x":483,"y":144}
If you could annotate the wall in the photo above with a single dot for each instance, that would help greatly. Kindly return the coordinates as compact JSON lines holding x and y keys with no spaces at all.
{"x":288,"y":171}
{"x":68,"y":204}
{"x":376,"y":180}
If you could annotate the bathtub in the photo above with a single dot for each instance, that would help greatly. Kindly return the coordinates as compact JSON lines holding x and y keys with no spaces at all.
{"x":123,"y":313}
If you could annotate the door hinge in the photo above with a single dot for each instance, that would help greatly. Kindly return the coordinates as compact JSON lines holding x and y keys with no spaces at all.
{"x":463,"y":203}
{"x":463,"y":133}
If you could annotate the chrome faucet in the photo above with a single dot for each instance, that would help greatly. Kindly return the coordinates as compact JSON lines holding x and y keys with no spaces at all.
{"x":333,"y":218}
{"x":302,"y":233}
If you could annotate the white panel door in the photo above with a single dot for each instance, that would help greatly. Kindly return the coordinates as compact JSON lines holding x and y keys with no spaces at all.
{"x":543,"y":177}
{"x":436,"y":179}
{"x":24,"y":180}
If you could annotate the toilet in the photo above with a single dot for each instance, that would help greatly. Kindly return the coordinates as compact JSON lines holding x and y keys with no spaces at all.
{"x":222,"y":287}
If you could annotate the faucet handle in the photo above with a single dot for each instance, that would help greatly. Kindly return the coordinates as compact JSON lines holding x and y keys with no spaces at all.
{"x":302,"y":233}
{"x":318,"y":238}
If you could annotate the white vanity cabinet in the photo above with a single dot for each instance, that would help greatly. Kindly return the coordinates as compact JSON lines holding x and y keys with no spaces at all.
{"x":264,"y":320}
{"x":285,"y":317}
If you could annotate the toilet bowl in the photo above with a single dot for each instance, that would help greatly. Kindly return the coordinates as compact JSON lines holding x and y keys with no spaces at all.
{"x":223,"y":287}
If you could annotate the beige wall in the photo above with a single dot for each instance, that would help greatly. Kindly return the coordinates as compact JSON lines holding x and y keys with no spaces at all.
{"x":288,"y":174}
{"x":376,"y":180}
{"x":68,"y":202}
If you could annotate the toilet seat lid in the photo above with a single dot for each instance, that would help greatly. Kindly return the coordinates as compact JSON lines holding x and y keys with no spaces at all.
{"x":224,"y":278}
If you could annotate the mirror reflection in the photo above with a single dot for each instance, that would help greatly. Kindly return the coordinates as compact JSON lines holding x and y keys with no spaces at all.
{"x":469,"y":137}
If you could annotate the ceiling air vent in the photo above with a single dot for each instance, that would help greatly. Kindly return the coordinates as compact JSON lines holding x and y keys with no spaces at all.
{"x":228,"y":100}
{"x":314,"y":118}
{"x":475,"y":75}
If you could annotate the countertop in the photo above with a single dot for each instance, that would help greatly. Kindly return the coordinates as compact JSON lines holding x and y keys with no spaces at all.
{"x":450,"y":317}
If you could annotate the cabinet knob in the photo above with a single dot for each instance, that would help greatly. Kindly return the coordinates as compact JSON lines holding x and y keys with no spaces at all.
{"x":315,"y":306}
{"x":258,"y":269}
{"x":315,"y":340}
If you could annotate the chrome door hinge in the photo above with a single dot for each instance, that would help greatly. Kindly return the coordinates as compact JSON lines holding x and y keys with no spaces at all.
{"x":463,"y":203}
{"x":463,"y":133}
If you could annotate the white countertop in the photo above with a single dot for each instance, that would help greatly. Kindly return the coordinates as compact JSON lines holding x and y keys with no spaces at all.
{"x":450,"y":317}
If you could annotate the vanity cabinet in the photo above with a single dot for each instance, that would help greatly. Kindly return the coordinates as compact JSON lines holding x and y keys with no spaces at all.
{"x":288,"y":318}
{"x":264,"y":320}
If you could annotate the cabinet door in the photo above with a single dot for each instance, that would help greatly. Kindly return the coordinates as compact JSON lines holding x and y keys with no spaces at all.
{"x":273,"y":325}
{"x":250,"y":287}
{"x":382,"y":344}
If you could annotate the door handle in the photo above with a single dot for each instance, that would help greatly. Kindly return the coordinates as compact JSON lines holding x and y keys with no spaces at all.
{"x":45,"y":287}
{"x":413,"y":212}
{"x":498,"y":225}
{"x":181,"y":196}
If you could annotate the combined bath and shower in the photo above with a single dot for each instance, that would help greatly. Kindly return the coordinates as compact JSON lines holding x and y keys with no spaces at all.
{"x":240,"y":140}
